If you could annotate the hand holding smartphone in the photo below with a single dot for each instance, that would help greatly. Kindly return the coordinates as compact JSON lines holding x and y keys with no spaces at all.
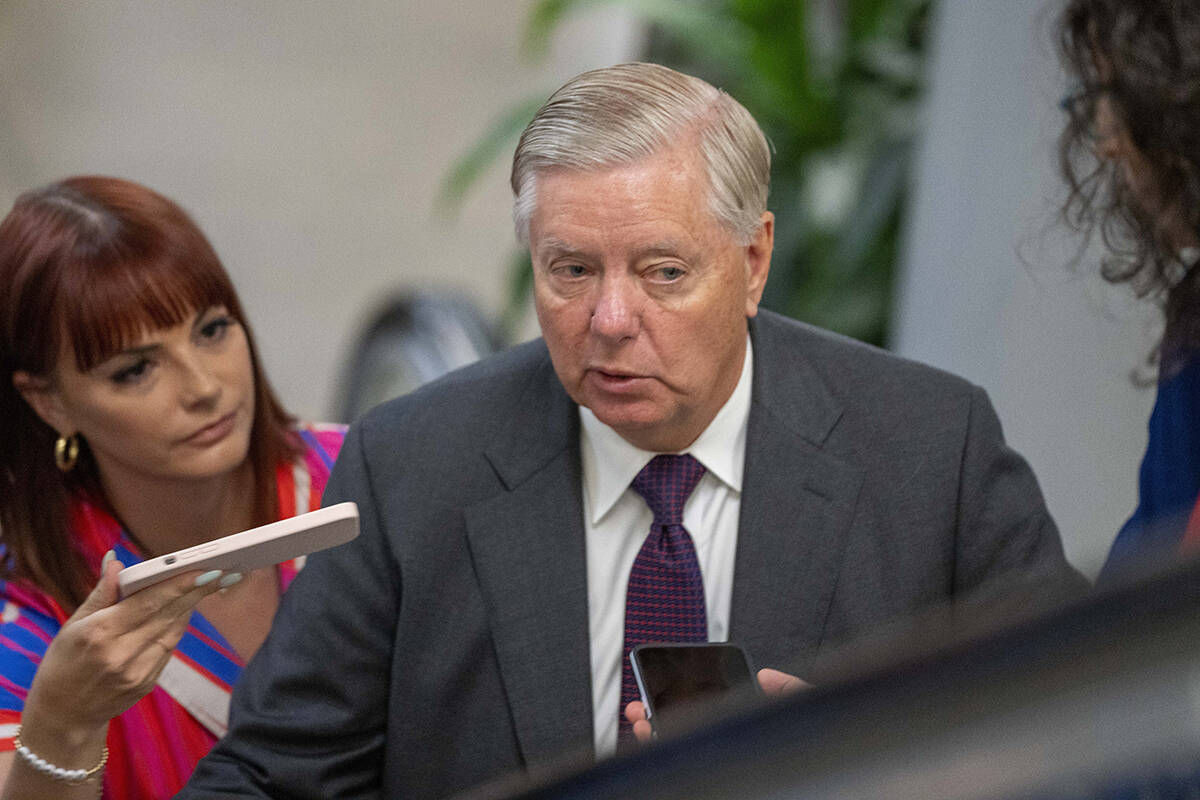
{"x":673,"y":677}
{"x":258,"y":547}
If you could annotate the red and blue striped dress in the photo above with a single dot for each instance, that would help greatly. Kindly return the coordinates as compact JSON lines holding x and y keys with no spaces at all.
{"x":154,"y":746}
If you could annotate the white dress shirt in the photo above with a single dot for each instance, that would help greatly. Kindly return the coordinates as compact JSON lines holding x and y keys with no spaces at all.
{"x":617,"y":521}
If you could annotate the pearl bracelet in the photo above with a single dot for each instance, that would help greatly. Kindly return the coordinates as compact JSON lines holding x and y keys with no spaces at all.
{"x":71,"y":776}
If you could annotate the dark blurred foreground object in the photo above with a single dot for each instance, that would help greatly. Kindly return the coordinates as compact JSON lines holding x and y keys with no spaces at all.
{"x":1096,"y":699}
{"x":411,"y":340}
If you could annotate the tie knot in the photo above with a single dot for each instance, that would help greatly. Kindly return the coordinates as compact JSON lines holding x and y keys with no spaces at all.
{"x":666,"y":483}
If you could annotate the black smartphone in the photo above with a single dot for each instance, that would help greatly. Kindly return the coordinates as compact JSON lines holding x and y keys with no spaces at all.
{"x":676,"y":680}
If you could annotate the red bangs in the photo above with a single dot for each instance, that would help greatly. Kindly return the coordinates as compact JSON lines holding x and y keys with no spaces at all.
{"x":100,"y":262}
{"x":106,"y":305}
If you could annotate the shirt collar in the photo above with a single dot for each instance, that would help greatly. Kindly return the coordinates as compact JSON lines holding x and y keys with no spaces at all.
{"x":610,"y":463}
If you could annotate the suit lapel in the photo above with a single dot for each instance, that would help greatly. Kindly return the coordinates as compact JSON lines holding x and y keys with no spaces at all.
{"x":528,"y":541}
{"x":528,"y":548}
{"x":797,"y":503}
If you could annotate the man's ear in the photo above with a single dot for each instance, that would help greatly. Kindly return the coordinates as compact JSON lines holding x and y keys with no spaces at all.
{"x":758,"y":262}
{"x":44,"y":399}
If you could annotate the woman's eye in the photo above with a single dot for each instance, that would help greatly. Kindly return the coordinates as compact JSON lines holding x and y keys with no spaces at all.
{"x":215,"y":329}
{"x":133,"y":373}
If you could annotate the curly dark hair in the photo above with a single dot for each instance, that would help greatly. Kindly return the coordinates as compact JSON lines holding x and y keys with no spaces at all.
{"x":1143,"y":57}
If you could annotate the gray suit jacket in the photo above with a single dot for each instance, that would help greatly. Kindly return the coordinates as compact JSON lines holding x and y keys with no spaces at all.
{"x":448,"y":644}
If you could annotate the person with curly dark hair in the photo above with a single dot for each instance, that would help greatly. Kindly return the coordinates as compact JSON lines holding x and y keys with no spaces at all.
{"x":1130,"y":154}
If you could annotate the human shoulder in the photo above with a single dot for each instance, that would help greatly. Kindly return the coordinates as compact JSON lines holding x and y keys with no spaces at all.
{"x":848,"y":366}
{"x":477,"y":395}
{"x":21,"y":599}
{"x":865,"y":394}
{"x":29,"y":621}
{"x":446,"y":426}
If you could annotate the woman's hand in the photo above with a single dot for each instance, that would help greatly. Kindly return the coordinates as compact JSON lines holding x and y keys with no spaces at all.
{"x":108,"y":655}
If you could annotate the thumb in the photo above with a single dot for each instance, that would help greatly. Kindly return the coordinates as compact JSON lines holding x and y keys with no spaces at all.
{"x":774,"y":682}
{"x":106,"y":591}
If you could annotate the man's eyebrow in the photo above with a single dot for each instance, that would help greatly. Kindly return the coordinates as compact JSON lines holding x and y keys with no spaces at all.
{"x":555,"y":246}
{"x":663,"y":248}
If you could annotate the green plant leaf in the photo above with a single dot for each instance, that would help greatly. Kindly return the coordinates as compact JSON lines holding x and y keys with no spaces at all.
{"x":502,"y":134}
{"x":544,"y":18}
{"x":725,"y":41}
{"x":520,"y":284}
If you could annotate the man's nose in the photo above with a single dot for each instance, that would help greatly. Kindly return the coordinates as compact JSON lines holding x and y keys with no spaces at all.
{"x":615,"y":314}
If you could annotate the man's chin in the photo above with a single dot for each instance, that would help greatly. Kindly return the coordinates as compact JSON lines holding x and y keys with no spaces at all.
{"x":626,"y":419}
{"x":643,"y":428}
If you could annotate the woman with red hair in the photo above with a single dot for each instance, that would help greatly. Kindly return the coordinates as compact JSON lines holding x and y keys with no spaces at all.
{"x":135,"y":420}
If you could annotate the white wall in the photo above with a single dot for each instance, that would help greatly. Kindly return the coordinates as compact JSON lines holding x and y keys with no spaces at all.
{"x":308,"y":140}
{"x":987,"y":292}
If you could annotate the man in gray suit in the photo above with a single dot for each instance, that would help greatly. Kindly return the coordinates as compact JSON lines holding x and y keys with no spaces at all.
{"x":477,"y":625}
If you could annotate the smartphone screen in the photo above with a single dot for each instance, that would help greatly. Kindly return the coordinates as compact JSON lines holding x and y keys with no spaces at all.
{"x":675,"y":677}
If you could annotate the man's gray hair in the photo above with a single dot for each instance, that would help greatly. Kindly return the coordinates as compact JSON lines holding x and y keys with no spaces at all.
{"x":619,"y":115}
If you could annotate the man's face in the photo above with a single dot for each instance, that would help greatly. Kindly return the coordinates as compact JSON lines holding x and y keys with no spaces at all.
{"x":642,"y":295}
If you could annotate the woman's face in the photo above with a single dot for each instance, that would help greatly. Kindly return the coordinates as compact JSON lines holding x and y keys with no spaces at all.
{"x":176,"y":404}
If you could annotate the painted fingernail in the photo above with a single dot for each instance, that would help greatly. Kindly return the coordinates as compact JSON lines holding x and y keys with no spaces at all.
{"x":111,"y":555}
{"x":208,"y":577}
{"x":230,"y":579}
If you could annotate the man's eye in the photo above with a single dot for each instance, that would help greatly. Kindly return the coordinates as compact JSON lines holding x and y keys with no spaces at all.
{"x":569,"y":271}
{"x":133,"y":373}
{"x":666,"y":274}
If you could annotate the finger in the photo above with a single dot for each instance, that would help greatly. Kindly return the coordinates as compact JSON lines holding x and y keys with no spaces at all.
{"x":160,"y":642}
{"x":642,"y":731}
{"x":167,"y":625}
{"x":153,"y":658}
{"x":170,"y":598}
{"x":200,"y":587}
{"x":635,"y":711}
{"x":139,"y":675}
{"x":173,"y":632}
{"x":154,"y":612}
{"x":774,"y":682}
{"x":106,"y":592}
{"x":149,"y":646}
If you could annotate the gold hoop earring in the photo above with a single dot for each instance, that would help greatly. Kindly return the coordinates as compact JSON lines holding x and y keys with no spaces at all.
{"x":66,"y":451}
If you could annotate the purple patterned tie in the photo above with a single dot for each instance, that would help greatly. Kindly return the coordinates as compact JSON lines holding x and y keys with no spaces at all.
{"x":665,"y":599}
